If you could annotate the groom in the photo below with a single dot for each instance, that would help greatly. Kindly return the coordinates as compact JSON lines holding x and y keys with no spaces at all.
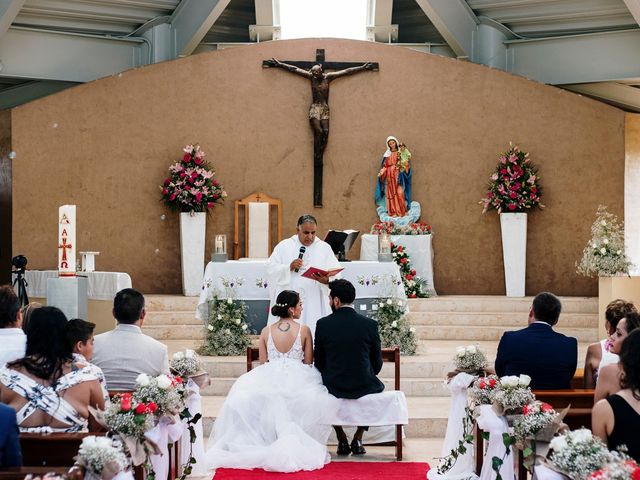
{"x":348,"y":355}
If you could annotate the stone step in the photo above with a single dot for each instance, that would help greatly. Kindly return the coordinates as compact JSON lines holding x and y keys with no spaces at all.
{"x":427,"y":415}
{"x":171,"y":317}
{"x":474,"y":333}
{"x":511,"y":320}
{"x":170,"y":302}
{"x":175,"y":332}
{"x":411,"y":386}
{"x":495,"y":303}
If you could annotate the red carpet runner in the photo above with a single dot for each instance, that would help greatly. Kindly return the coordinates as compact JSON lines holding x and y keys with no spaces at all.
{"x":337,"y":471}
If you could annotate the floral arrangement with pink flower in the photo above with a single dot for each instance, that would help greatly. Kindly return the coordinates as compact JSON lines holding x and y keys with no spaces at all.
{"x":416,"y":228}
{"x":190,"y":186}
{"x":514,"y":185}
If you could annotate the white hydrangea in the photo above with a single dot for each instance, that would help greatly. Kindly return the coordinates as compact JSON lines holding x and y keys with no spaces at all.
{"x":143,"y":380}
{"x":164,"y":382}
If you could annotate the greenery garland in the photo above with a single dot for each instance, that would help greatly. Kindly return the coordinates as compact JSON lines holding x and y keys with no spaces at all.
{"x":394,"y":327}
{"x":414,"y":286}
{"x":227,"y":331}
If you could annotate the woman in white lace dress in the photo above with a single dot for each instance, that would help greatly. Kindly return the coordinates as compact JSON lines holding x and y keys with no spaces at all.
{"x":278,"y":415}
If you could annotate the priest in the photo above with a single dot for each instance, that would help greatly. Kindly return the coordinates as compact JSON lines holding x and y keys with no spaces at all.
{"x":290,"y":259}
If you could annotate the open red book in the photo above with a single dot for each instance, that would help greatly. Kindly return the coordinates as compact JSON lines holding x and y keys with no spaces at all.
{"x":311,"y":271}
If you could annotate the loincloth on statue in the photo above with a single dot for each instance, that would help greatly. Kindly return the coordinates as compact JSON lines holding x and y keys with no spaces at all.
{"x":319,"y":111}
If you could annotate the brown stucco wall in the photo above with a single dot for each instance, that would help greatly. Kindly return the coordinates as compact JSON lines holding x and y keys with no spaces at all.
{"x":106,"y":146}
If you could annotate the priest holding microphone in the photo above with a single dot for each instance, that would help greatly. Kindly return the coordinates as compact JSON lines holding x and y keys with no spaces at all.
{"x":290,"y":259}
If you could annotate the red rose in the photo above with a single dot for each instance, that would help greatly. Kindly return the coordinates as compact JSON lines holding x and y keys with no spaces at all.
{"x":216,"y":196}
{"x":178,"y":379}
{"x":481,"y":384}
{"x":209,"y":204}
{"x":187,"y":157}
{"x":215,"y":183}
{"x":197,"y":161}
{"x":187,"y":187}
{"x":412,"y":295}
{"x":516,"y":186}
{"x":182,"y":174}
{"x":534,"y":189}
{"x":403,"y":261}
{"x":141,"y":408}
{"x":511,"y":206}
{"x":172,"y":196}
{"x":489,"y":195}
{"x":413,"y":272}
{"x":165,"y":191}
{"x":635,"y":475}
{"x":125,"y":402}
{"x":492,"y":382}
{"x":513,"y":195}
{"x":198,"y":197}
{"x":152,"y":407}
{"x":400,"y":248}
{"x":545,"y":407}
{"x":503,"y":171}
{"x":525,"y":409}
{"x":409,"y":277}
{"x":167,"y":181}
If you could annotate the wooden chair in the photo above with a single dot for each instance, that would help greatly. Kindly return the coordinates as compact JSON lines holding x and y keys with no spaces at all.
{"x":244,"y":203}
{"x":388,"y":355}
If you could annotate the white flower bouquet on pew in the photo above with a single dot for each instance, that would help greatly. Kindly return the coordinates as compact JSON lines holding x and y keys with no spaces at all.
{"x":102,"y":457}
{"x":165,"y":391}
{"x":185,"y":363}
{"x":618,"y":470}
{"x":513,"y":394}
{"x":470,"y":359}
{"x":579,"y":453}
{"x":482,"y":390}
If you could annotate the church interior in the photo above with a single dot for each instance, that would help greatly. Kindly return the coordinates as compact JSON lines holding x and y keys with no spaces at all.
{"x":98,"y":100}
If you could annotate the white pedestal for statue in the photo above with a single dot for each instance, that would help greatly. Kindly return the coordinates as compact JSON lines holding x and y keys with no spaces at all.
{"x":514,"y":252}
{"x":192,"y":233}
{"x":69,"y":294}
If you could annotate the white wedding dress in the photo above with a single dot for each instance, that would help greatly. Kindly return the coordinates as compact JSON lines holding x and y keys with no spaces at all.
{"x":276,"y":417}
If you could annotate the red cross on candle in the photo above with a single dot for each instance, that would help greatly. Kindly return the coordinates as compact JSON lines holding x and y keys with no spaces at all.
{"x":64,"y":247}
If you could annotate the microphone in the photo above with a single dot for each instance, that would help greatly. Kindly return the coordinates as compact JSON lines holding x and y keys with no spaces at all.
{"x":302,"y":250}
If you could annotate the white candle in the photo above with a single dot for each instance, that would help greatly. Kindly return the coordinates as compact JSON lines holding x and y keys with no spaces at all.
{"x":67,"y":241}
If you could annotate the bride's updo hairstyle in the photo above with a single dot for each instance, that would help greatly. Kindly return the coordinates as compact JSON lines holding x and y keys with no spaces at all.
{"x":286,"y":299}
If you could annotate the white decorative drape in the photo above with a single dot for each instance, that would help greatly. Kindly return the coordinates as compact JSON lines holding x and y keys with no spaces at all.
{"x":194,"y":404}
{"x":167,"y":430}
{"x":496,"y":425}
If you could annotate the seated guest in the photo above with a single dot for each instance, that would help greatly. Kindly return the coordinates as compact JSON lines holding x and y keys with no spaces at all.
{"x":12,"y":339}
{"x":548,"y":357}
{"x":10,"y":454}
{"x":599,"y":354}
{"x":45,"y":388}
{"x":609,"y":382}
{"x":80,"y":338}
{"x":616,"y":419}
{"x":125,"y":352}
{"x":348,"y":355}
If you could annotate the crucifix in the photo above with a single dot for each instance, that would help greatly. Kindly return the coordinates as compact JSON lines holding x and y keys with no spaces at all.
{"x":64,"y":246}
{"x":319,"y":110}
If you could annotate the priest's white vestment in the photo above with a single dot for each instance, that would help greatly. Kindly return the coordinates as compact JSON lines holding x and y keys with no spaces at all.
{"x":314,"y":295}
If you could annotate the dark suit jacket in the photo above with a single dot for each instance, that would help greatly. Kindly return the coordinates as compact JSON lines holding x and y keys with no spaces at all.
{"x":548,"y":357}
{"x":10,"y":453}
{"x":348,"y":354}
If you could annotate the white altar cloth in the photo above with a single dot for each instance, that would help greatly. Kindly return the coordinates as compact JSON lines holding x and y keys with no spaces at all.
{"x":101,"y":285}
{"x":247,"y":280}
{"x":418,"y":248}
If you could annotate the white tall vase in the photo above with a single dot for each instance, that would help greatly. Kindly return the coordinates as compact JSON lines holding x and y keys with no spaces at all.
{"x":514,"y":251}
{"x":192,"y":235}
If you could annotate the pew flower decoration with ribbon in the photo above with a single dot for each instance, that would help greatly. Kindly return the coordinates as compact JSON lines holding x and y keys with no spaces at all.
{"x":102,"y":457}
{"x":535,"y":421}
{"x":130,"y":417}
{"x":470,"y":359}
{"x":578,"y":453}
{"x":165,"y":392}
{"x":619,"y":470}
{"x":513,"y":394}
{"x":185,"y":363}
{"x":481,"y":392}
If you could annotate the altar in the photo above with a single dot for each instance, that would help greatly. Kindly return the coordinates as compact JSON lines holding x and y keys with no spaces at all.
{"x":418,"y":247}
{"x":247,"y":280}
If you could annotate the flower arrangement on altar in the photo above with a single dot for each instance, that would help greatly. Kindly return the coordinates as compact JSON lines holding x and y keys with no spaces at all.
{"x":618,"y":470}
{"x":470,"y":359}
{"x":604,"y":254}
{"x":190,"y":186}
{"x":414,"y":286}
{"x":185,"y":363}
{"x":394,"y":327}
{"x":512,"y":394}
{"x":481,"y":391}
{"x":102,"y":457}
{"x":578,"y":453}
{"x":417,"y":228}
{"x":514,"y":185}
{"x":227,"y":331}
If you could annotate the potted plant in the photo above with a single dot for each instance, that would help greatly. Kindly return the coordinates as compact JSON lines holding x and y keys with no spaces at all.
{"x":191,"y":189}
{"x":514,"y":188}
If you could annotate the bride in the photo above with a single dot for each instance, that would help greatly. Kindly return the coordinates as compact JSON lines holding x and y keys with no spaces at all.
{"x":277,"y":416}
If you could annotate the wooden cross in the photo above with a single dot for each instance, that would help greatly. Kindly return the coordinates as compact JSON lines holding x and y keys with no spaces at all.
{"x":319,"y":120}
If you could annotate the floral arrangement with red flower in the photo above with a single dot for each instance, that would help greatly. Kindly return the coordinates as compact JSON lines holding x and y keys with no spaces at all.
{"x":514,"y":185}
{"x":129,"y":417}
{"x":416,"y":228}
{"x":538,"y":421}
{"x":190,"y":186}
{"x":414,"y":286}
{"x":165,"y":391}
{"x":481,"y":392}
{"x":618,"y":470}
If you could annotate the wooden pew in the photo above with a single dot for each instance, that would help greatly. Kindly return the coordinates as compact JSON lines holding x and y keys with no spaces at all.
{"x":18,"y":473}
{"x":391,"y":355}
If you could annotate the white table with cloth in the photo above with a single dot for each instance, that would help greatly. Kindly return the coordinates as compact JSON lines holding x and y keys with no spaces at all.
{"x":101,"y":289}
{"x":418,"y":248}
{"x":247,"y":280}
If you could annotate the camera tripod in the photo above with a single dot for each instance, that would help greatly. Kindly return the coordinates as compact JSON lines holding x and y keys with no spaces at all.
{"x":20,"y":286}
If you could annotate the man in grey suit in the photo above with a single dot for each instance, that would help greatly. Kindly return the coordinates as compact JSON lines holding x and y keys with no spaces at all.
{"x":125,"y":352}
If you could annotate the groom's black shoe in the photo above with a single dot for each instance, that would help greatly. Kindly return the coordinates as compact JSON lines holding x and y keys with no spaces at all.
{"x":343,"y":448}
{"x":357,"y":448}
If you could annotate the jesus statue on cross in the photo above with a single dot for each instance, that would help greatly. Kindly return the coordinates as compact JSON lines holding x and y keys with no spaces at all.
{"x":319,"y":110}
